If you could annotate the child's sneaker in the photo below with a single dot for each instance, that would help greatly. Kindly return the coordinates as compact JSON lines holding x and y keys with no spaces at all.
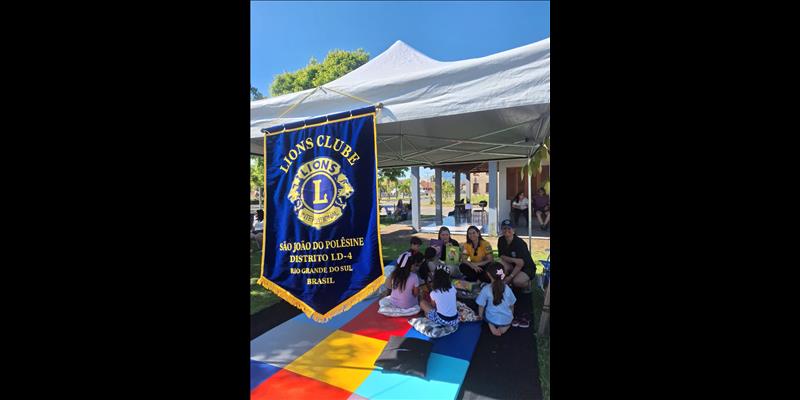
{"x":515,"y":323}
{"x":524,"y":322}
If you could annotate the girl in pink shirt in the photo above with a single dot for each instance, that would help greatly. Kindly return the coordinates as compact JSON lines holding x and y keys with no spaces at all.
{"x":404,"y":283}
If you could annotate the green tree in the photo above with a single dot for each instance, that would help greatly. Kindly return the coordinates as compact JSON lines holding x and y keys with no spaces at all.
{"x":257,"y":176}
{"x":404,"y":187}
{"x":391,"y":175}
{"x":255,"y":94}
{"x":448,"y":189}
{"x":335,"y":65}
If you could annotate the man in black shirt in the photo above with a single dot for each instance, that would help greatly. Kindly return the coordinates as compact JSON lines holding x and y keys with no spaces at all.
{"x":515,"y":257}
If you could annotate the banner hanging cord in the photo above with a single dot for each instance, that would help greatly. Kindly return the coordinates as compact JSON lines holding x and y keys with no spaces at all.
{"x":378,"y":105}
{"x":292,"y":107}
{"x":298,"y":103}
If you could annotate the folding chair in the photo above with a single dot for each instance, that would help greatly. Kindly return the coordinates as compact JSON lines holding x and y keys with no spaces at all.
{"x":545,"y":279}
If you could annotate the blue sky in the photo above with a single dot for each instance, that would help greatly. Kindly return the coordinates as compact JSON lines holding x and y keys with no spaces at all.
{"x":285,"y":35}
{"x":427,"y":174}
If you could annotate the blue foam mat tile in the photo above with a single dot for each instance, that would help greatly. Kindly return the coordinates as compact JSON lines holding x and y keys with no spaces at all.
{"x":343,"y":318}
{"x":260,"y":371}
{"x":461,"y":343}
{"x":443,"y":381}
{"x":413,"y":333}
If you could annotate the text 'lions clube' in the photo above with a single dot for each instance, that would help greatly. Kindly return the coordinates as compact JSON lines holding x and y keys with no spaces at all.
{"x":322,"y":141}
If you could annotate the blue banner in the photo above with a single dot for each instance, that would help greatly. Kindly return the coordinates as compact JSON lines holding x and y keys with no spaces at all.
{"x":322,"y":249}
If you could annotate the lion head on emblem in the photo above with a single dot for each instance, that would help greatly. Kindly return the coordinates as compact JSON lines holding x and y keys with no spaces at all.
{"x":345,"y":190}
{"x":294,"y":195}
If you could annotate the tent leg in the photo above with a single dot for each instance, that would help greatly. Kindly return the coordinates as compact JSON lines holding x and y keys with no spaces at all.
{"x":530,"y":215}
{"x":544,"y":320}
{"x":415,"y":213}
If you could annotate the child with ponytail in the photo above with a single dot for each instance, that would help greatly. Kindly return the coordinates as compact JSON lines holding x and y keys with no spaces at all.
{"x":496,"y":301}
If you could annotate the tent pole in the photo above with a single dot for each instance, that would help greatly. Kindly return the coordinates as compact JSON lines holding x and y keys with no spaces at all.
{"x":491,"y":230}
{"x":469,"y":191}
{"x":438,"y":187}
{"x":530,"y":216}
{"x":458,"y":186}
{"x":415,"y":212}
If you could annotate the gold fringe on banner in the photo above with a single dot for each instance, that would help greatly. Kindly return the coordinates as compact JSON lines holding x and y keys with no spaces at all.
{"x":309,"y":312}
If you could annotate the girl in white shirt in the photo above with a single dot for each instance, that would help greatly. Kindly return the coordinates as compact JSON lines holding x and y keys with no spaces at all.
{"x":443,"y":308}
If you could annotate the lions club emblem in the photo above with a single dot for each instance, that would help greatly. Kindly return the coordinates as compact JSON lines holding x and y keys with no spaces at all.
{"x":319,"y":192}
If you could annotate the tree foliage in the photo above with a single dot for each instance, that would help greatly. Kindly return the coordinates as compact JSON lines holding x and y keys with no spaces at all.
{"x":257,"y":175}
{"x":255,"y":94}
{"x":404,"y":187}
{"x":335,"y":65}
{"x":388,"y":177}
{"x":392,"y":174}
{"x":448,"y":189}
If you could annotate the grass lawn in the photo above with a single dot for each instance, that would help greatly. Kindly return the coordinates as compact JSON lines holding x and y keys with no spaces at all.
{"x":386,"y":221}
{"x":260,"y":298}
{"x":391,"y":249}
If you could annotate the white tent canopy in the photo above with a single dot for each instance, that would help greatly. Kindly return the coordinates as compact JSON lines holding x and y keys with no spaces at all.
{"x":434,"y":112}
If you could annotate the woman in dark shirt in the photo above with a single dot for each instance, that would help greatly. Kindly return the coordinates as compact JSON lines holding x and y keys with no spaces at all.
{"x":444,"y":236}
{"x":541,"y":206}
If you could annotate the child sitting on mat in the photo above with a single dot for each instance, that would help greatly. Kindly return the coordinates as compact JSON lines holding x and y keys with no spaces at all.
{"x":413,"y":248}
{"x":497,"y":301}
{"x":403,"y":282}
{"x":429,"y":267}
{"x":442,"y":308}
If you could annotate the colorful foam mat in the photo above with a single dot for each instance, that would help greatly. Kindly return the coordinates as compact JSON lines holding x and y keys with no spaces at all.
{"x":302,"y":359}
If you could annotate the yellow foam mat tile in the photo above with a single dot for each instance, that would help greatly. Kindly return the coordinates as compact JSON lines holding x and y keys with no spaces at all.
{"x":342,"y":359}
